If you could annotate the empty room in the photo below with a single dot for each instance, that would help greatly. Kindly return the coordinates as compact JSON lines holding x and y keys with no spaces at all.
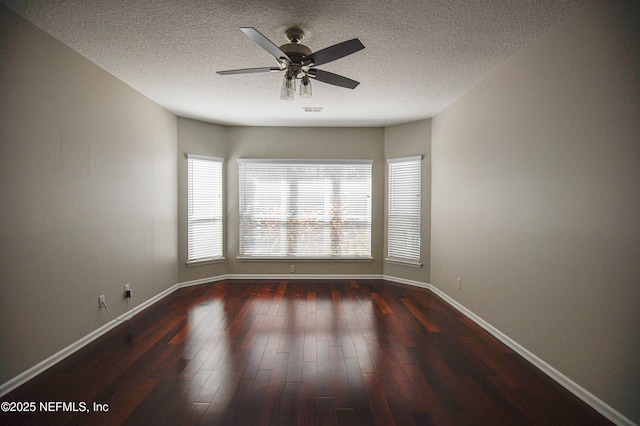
{"x":279,"y":213}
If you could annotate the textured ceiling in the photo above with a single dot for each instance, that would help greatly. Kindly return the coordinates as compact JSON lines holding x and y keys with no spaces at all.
{"x":420,"y":55}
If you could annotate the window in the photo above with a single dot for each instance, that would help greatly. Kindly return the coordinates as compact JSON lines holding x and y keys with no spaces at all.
{"x":318,"y":209}
{"x":204,"y":195}
{"x":403,"y":233}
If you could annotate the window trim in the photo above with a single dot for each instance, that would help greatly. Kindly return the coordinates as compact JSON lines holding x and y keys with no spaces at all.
{"x":306,"y":258}
{"x":410,"y":262}
{"x":211,"y":259}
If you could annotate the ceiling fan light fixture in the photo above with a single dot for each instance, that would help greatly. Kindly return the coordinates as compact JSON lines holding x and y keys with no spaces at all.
{"x":297,"y":60}
{"x":305,"y":87}
{"x":288,"y":90}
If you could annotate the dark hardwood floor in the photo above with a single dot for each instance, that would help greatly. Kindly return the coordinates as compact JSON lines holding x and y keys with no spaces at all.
{"x":291,"y":352}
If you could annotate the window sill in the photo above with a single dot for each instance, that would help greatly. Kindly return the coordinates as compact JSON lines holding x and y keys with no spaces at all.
{"x":402,"y":262}
{"x":303,"y":259}
{"x":205,"y":261}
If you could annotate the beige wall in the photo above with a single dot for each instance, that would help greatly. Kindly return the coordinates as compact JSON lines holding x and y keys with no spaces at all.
{"x":233,"y":143}
{"x":279,"y":142}
{"x":314,"y":143}
{"x":88,"y":196}
{"x":536,"y":206}
{"x":406,"y":140}
{"x":534,"y":200}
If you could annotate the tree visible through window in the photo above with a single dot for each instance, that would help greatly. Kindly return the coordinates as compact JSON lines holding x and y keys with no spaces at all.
{"x":305,"y":208}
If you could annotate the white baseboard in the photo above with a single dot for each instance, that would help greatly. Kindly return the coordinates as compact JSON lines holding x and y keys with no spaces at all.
{"x":32,"y":372}
{"x":200,"y":281}
{"x":407,"y":282}
{"x":44,"y":365}
{"x":302,"y":277}
{"x":592,"y":400}
{"x":599,"y":405}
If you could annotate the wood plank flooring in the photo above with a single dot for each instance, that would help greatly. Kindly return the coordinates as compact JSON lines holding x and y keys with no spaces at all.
{"x":270,"y":352}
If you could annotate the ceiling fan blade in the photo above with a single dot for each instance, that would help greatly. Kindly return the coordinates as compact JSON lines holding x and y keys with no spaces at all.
{"x":336,"y":51}
{"x":331,"y":78}
{"x":249,"y":70}
{"x":264,"y":42}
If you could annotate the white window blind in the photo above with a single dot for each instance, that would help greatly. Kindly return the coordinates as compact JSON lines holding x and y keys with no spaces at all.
{"x":204,"y":195}
{"x":305,"y":209}
{"x":404,"y":210}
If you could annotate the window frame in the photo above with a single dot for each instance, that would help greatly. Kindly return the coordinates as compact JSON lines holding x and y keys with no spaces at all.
{"x":398,"y":251}
{"x":290,"y":213}
{"x":218,"y":215}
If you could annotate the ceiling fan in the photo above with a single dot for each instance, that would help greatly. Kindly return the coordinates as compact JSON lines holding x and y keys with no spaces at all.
{"x":297,"y":62}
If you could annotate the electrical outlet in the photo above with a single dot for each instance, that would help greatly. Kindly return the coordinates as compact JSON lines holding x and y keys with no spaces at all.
{"x":127,"y":291}
{"x":101,"y":302}
{"x":292,"y":268}
{"x":459,"y":283}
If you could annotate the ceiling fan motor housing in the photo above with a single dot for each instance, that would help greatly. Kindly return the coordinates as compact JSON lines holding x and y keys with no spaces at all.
{"x":297,"y":52}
